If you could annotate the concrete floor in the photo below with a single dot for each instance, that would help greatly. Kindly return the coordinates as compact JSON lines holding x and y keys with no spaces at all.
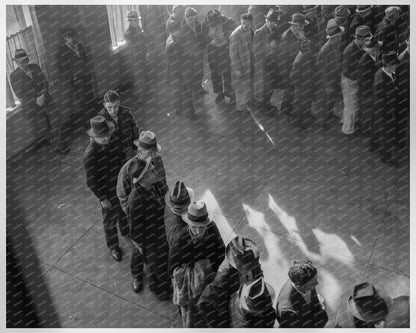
{"x":315,"y":194}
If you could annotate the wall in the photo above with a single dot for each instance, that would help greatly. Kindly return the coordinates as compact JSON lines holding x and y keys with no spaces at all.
{"x":93,"y":32}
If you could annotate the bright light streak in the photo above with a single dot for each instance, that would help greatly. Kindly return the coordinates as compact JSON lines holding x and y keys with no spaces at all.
{"x":224,"y":227}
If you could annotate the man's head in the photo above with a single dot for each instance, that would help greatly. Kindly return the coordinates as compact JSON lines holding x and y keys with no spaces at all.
{"x":21,"y":58}
{"x":372,"y":46}
{"x":190,"y":15}
{"x":298,"y":23}
{"x":310,"y":10}
{"x":147,"y":145}
{"x":112,"y":103}
{"x":390,"y":62}
{"x":393,"y":13}
{"x":197,"y":219}
{"x":101,"y":130}
{"x":213,"y":17}
{"x":133,"y":18}
{"x":303,"y":275}
{"x":272,"y":18}
{"x":246,"y":22}
{"x":178,"y":11}
{"x":69,"y":35}
{"x":362,"y":33}
{"x":341,"y":14}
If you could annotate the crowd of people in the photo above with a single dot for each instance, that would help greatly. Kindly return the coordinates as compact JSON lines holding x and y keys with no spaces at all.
{"x":348,"y":61}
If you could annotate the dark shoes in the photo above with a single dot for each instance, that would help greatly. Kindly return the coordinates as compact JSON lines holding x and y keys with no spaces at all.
{"x":137,"y":285}
{"x":219,"y":98}
{"x":116,"y":253}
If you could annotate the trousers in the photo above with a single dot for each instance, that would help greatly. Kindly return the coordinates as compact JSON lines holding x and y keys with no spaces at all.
{"x":111,"y":217}
{"x":351,"y":104}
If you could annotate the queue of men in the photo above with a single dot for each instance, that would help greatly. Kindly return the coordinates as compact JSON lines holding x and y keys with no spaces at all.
{"x":344,"y":62}
{"x":172,"y":234}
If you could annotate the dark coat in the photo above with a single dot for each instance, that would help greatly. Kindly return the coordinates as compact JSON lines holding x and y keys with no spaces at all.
{"x":136,"y":42}
{"x":351,"y":58}
{"x":71,"y":66}
{"x":102,"y":165}
{"x":173,"y":226}
{"x":185,"y":252}
{"x":303,"y":75}
{"x":145,"y":209}
{"x":27,"y":89}
{"x":367,"y":68}
{"x":175,"y":61}
{"x":126,"y":128}
{"x":228,"y":26}
{"x":384,"y":122}
{"x":293,"y":311}
{"x":288,"y":48}
{"x":403,"y":77}
{"x":344,"y":319}
{"x":328,"y":64}
{"x":387,"y":33}
{"x":266,"y":70}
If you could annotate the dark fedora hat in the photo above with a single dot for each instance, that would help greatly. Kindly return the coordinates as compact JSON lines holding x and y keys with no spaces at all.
{"x":197,"y":215}
{"x":333,"y":28}
{"x":362,"y":31}
{"x":299,"y":19}
{"x":388,"y":59}
{"x":273,"y":14}
{"x":366,"y":304}
{"x":180,"y":197}
{"x":147,"y":140}
{"x":242,"y":253}
{"x":256,"y":296}
{"x":342,"y":11}
{"x":20,"y":54}
{"x":100,"y":127}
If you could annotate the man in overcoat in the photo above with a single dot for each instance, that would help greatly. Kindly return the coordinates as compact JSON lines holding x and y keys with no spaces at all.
{"x":299,"y":305}
{"x":122,"y":117}
{"x":242,"y":62}
{"x":137,"y":54}
{"x":177,"y":201}
{"x":367,"y":15}
{"x":265,"y":60}
{"x":349,"y":79}
{"x":103,"y":160}
{"x":32,"y":89}
{"x":217,"y":30}
{"x":303,"y":77}
{"x":385,"y":111}
{"x":75,"y":69}
{"x":180,"y":76}
{"x":199,"y":241}
{"x":387,"y":30}
{"x":142,"y":200}
{"x":328,"y":65}
{"x":288,"y":48}
{"x":369,"y":63}
{"x":192,"y":40}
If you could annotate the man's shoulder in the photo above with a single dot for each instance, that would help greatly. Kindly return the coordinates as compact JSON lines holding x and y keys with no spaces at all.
{"x":90,"y":151}
{"x":284,"y":299}
{"x":124,"y":111}
{"x":237,"y":31}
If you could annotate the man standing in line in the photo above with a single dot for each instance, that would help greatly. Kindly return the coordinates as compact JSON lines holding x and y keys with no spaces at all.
{"x":122,"y":118}
{"x":32,"y":89}
{"x":349,"y":79}
{"x":242,"y":62}
{"x":137,"y":55}
{"x":74,"y":67}
{"x":103,"y":159}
